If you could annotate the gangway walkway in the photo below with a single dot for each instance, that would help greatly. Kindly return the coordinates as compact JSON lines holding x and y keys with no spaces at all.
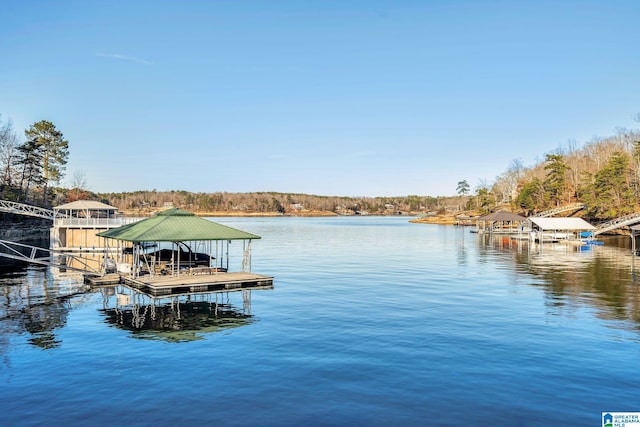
{"x":42,"y":256}
{"x":29,"y":210}
{"x":617,"y":223}
{"x":552,"y":212}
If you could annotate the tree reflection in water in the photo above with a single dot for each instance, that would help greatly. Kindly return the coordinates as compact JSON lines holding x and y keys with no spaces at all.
{"x":174,"y":319}
{"x":37,"y":301}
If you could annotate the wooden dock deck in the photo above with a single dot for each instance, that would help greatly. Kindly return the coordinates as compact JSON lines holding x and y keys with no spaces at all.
{"x":160,"y":286}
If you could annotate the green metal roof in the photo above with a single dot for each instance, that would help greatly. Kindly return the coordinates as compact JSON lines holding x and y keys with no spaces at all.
{"x":175,"y":225}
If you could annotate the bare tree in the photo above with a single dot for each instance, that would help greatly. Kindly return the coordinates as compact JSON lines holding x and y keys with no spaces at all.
{"x":79,"y":182}
{"x":511,"y":178}
{"x":8,"y":141}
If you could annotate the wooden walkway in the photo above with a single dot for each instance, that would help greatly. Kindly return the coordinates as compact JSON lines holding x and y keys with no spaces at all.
{"x":623,"y":221}
{"x":568,"y":208}
{"x":160,"y":286}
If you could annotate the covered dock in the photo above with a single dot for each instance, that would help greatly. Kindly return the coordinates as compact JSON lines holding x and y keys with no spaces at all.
{"x":176,"y":252}
{"x":557,"y":229}
{"x":500,"y":223}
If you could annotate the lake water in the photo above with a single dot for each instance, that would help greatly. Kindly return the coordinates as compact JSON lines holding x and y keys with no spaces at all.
{"x":373,"y":321}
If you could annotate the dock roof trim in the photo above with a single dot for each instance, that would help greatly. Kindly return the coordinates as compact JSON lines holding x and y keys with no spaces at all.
{"x":565,"y":224}
{"x":175,"y":225}
{"x":85,"y":204}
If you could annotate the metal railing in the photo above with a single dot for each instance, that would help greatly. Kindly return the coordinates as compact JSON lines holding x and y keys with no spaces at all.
{"x":94,"y":222}
{"x":617,"y":223}
{"x":42,"y":256}
{"x":87,"y":222}
{"x":22,"y":209}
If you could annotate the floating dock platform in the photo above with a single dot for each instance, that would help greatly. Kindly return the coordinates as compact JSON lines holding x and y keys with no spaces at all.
{"x":161,"y":286}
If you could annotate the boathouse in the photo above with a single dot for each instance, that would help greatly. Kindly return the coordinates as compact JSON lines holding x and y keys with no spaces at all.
{"x":556,"y":229}
{"x":175,"y":251}
{"x":74,"y":233}
{"x":76,"y":224}
{"x":500,"y":223}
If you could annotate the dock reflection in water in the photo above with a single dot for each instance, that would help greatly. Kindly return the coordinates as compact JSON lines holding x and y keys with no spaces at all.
{"x":605,"y":277}
{"x":174,"y":319}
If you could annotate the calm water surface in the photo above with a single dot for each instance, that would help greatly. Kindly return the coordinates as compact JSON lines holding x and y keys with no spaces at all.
{"x":372,"y":321}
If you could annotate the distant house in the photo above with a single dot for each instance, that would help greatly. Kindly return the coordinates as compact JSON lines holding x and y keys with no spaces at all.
{"x":297,"y":206}
{"x":167,"y":205}
{"x":389,"y":207}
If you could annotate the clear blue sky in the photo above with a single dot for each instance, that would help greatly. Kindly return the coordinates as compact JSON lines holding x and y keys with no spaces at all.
{"x":349,"y":98}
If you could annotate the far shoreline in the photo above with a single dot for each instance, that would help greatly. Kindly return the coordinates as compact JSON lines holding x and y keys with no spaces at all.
{"x":138,"y":213}
{"x":141,"y":213}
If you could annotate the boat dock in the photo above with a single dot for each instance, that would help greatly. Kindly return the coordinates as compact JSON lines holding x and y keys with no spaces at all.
{"x":159,"y":286}
{"x":171,"y":253}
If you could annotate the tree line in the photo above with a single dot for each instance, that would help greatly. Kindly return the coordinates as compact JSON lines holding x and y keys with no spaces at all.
{"x":604,"y":174}
{"x":270,"y":202}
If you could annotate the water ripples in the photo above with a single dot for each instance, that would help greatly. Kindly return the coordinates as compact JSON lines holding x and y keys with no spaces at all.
{"x":372,"y":321}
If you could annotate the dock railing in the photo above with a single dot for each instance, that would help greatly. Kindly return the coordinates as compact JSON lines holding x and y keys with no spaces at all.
{"x":94,"y":222}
